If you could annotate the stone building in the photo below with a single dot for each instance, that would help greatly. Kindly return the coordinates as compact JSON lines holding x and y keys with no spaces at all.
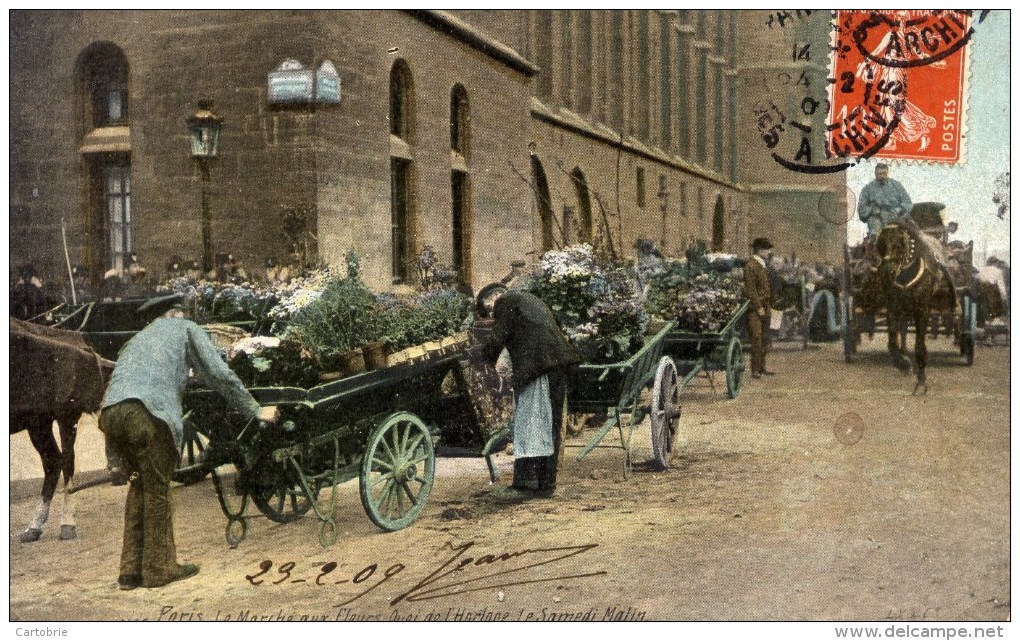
{"x":645,"y":123}
{"x":489,"y":135}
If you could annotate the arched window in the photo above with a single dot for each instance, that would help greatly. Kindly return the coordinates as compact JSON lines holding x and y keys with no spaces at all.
{"x":401,"y":101}
{"x":103,"y":82}
{"x":460,"y":120}
{"x":584,"y":226}
{"x":101,"y":77}
{"x":545,"y":210}
{"x":719,"y":226}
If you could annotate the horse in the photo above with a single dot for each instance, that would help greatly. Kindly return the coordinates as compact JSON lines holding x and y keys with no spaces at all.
{"x":55,"y":376}
{"x":910,"y":279}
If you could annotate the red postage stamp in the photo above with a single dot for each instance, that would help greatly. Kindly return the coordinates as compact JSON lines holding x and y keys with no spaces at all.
{"x":899,"y":84}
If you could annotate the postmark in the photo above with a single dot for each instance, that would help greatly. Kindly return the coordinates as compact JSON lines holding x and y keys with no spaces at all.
{"x":794,"y":113}
{"x":899,"y":84}
{"x":888,"y":84}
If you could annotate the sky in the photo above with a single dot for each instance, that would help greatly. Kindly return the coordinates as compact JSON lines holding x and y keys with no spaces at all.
{"x":966,"y":189}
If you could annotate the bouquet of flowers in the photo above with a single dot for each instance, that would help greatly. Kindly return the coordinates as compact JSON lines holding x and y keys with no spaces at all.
{"x":709,"y":302}
{"x":598,"y":305}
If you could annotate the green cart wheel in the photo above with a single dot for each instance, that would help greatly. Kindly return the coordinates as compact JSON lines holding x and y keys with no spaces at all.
{"x":665,"y":411}
{"x":969,"y":330}
{"x":397,"y":471}
{"x":189,"y":469}
{"x":277,"y":492}
{"x":734,"y":367}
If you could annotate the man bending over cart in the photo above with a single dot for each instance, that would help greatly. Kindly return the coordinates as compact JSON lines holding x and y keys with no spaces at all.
{"x":542,"y":359}
{"x":142,"y":420}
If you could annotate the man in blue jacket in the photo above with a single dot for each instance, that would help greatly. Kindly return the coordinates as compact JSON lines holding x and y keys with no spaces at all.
{"x":142,"y":420}
{"x":882,"y":201}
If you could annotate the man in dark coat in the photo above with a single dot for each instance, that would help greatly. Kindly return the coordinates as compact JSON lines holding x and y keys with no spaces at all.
{"x":542,"y":359}
{"x":759,"y":295}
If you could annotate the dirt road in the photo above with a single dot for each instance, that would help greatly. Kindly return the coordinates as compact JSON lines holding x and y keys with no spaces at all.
{"x":765,"y":515}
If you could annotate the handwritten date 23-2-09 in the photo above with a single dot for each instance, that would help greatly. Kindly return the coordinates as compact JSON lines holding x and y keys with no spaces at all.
{"x":457,"y":575}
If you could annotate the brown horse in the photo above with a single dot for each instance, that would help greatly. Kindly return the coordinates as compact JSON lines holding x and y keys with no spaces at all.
{"x":910,"y":277}
{"x":54,"y":376}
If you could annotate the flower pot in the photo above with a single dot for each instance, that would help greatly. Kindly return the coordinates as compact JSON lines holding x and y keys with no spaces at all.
{"x":415,"y":353}
{"x":375,"y":355}
{"x":352,"y":362}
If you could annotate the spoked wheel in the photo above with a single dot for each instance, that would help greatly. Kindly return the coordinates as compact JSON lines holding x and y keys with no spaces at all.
{"x":734,"y":367}
{"x":665,"y":411}
{"x":849,"y":328}
{"x":189,"y":470}
{"x":278,"y":494}
{"x":397,"y":471}
{"x":970,"y":333}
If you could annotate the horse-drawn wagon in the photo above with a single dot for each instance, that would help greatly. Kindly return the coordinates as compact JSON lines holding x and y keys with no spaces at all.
{"x":910,"y":275}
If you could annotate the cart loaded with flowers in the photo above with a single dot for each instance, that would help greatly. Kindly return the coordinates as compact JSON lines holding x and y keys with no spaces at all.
{"x":599,"y":306}
{"x":704,"y":296}
{"x":341,"y":417}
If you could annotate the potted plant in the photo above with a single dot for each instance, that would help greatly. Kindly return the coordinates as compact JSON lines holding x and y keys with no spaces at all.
{"x":332,"y":327}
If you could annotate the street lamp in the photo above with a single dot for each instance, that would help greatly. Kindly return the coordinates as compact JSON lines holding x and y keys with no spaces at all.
{"x":204,"y":131}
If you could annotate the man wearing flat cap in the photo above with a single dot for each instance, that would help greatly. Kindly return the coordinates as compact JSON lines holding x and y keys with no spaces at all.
{"x":759,"y":310}
{"x":142,"y":420}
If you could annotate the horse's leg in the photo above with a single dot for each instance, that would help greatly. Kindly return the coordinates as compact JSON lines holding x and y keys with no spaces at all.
{"x":921,"y":350}
{"x":68,"y":433}
{"x":40,"y":431}
{"x":895,"y":331}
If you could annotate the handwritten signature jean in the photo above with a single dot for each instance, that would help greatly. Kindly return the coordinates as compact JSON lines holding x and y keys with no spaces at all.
{"x":146,"y":447}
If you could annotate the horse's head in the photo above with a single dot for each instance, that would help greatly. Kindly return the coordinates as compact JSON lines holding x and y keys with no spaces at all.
{"x":895,"y":247}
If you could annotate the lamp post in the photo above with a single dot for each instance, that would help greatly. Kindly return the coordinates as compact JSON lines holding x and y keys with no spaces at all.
{"x":204,"y":131}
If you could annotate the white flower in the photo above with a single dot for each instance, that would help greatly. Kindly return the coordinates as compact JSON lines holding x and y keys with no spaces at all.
{"x":251,"y":345}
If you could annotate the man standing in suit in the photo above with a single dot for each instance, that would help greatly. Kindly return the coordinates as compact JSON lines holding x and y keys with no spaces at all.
{"x":542,"y":359}
{"x":759,"y":311}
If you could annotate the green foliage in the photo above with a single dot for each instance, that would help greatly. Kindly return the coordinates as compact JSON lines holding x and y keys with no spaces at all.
{"x":344,"y":317}
{"x":426,"y":317}
{"x":286,"y":364}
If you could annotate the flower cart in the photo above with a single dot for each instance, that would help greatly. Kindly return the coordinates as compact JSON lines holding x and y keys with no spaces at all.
{"x":377,"y":426}
{"x":615,"y":390}
{"x":695,"y":352}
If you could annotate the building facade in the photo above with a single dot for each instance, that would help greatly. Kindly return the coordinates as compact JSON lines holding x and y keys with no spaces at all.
{"x":488,"y":135}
